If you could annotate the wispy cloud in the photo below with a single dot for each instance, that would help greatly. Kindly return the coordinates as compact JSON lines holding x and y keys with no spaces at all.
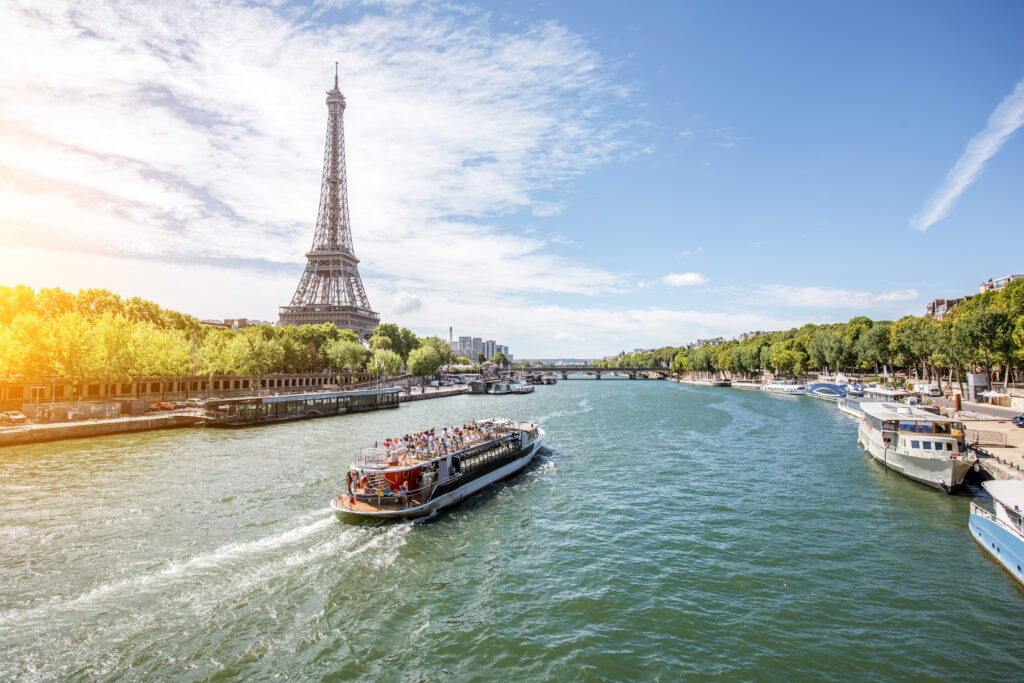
{"x":1008,"y":117}
{"x":833,"y":299}
{"x":684,"y":279}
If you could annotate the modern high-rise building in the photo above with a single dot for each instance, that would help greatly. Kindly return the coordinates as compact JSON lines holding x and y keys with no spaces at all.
{"x":330,"y":289}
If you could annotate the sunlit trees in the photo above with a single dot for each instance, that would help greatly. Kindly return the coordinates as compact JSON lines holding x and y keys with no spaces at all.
{"x":424,"y":360}
{"x":255,"y":355}
{"x":386,"y":361}
{"x":346,"y":354}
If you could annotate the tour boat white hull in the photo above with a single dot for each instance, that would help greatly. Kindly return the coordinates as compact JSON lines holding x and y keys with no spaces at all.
{"x":938,"y":472}
{"x":452,"y":497}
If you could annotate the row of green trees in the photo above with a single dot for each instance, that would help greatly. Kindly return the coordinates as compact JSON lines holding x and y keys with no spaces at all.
{"x":96,"y":335}
{"x":984,"y":333}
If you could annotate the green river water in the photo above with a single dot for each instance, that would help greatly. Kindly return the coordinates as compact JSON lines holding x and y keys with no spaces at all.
{"x":665,"y":532}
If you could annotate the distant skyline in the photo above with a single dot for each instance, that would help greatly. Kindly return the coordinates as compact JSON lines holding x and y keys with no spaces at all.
{"x":572,"y":178}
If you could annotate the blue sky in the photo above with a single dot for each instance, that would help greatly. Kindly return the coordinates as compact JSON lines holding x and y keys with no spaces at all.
{"x":570,"y":178}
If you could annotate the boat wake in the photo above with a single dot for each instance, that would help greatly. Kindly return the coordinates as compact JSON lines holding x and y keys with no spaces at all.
{"x":349,"y":542}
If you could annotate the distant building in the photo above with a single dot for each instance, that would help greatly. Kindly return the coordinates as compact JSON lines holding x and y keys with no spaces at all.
{"x":471,"y":347}
{"x":998,"y":283}
{"x":750,"y":335}
{"x":216,"y":324}
{"x":940,"y":307}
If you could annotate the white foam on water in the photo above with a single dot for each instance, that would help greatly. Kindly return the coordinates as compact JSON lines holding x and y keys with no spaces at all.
{"x":177,"y":570}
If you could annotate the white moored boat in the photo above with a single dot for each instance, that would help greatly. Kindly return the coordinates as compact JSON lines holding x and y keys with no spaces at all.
{"x":787,"y":386}
{"x":920,"y":445}
{"x":1002,"y":534}
{"x":417,"y":475}
{"x":518,"y":386}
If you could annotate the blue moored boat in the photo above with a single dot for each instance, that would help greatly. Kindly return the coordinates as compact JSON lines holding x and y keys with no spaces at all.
{"x":1002,"y":534}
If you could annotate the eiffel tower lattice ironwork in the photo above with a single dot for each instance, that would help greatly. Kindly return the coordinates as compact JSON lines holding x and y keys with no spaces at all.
{"x":330,"y":289}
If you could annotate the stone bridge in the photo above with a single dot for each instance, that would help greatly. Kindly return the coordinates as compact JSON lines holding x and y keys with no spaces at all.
{"x":588,"y":370}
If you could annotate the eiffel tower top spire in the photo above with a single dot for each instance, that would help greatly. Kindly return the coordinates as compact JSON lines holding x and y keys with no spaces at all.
{"x":330,"y":289}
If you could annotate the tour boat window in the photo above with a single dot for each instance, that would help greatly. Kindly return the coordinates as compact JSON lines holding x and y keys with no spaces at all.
{"x":907,"y":427}
{"x":915,"y":444}
{"x":925,"y":428}
{"x":927,"y":445}
{"x":889,"y":425}
{"x":949,"y":445}
{"x":942,"y":428}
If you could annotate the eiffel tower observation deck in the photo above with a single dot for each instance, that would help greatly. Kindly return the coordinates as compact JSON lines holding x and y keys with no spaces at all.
{"x":330,"y":289}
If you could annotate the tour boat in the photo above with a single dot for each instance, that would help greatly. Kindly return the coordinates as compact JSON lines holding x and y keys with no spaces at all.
{"x":923,"y":446}
{"x":787,"y":386}
{"x":746,"y":384}
{"x":419,"y":475}
{"x":1002,"y":534}
{"x":499,"y":388}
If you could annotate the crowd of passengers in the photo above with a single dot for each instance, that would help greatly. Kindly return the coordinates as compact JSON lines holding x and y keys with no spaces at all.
{"x":432,"y":444}
{"x":419,"y":446}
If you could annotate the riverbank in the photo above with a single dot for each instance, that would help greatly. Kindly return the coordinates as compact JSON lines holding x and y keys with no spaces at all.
{"x":58,"y":431}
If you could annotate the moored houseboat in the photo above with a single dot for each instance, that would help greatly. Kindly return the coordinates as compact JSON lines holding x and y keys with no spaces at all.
{"x":249,"y":411}
{"x":920,"y":445}
{"x":417,"y":475}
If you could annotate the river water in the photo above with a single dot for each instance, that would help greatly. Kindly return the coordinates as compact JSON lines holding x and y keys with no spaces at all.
{"x":665,"y":531}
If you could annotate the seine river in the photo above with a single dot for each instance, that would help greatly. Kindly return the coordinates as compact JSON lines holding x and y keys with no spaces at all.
{"x":666,"y":532}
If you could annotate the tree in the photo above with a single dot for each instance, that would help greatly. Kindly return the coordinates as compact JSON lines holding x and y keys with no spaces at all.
{"x":872,"y":346}
{"x":255,"y":355}
{"x":343,"y":353}
{"x":480,"y":357}
{"x":680,"y":363}
{"x":381,"y":342}
{"x":386,"y":361}
{"x":827,"y":349}
{"x":424,"y":360}
{"x":462,"y":360}
{"x":499,"y":359}
{"x":441,"y":347}
{"x":215,"y":353}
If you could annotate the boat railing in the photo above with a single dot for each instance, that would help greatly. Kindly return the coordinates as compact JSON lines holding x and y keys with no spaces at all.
{"x":981,"y":512}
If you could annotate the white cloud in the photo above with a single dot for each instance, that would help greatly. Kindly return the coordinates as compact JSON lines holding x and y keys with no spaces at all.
{"x":684,"y":279}
{"x":403,"y":302}
{"x":1007,"y":118}
{"x":826,"y":298}
{"x":687,"y":252}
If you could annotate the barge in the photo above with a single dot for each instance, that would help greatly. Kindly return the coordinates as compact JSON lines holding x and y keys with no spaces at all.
{"x":250,"y":411}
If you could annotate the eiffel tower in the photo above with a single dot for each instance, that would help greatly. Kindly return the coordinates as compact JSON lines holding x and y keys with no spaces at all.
{"x":330,"y":289}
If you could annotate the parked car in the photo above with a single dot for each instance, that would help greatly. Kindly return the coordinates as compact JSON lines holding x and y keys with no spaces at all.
{"x":13,"y":416}
{"x":1019,"y":420}
{"x":163,"y":405}
{"x":194,"y":403}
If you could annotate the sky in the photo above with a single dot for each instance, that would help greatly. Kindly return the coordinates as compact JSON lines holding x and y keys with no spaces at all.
{"x":571,"y":179}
